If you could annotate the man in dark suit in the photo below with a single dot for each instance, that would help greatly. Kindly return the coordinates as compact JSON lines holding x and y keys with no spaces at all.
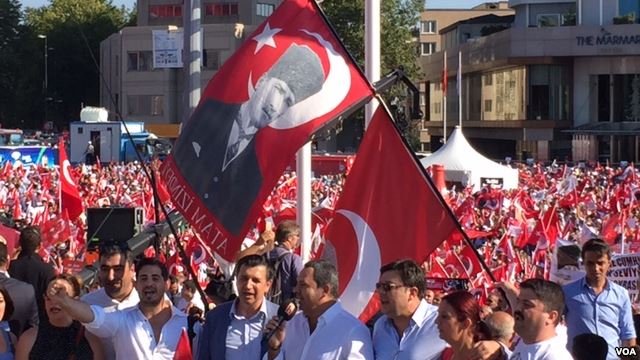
{"x":30,"y":268}
{"x":216,"y":148}
{"x":25,"y":309}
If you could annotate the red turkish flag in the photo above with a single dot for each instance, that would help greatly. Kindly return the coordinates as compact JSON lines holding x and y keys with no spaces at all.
{"x":470,"y":261}
{"x":387,"y":211}
{"x":56,"y":230}
{"x":183,"y":350}
{"x":71,"y":200}
{"x":289,"y":78}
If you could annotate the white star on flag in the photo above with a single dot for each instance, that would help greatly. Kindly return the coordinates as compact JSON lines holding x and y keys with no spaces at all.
{"x":266,"y":38}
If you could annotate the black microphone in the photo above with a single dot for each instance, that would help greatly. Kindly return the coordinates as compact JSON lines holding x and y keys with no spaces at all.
{"x":286,"y":311}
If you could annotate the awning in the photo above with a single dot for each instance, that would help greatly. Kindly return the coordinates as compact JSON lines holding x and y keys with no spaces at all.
{"x":607,"y":128}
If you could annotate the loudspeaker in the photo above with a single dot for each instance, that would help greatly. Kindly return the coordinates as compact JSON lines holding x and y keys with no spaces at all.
{"x":119,"y":224}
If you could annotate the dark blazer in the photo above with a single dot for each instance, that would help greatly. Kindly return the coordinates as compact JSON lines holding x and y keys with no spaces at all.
{"x":31,"y":269}
{"x":25,"y":308}
{"x":212,"y":343}
{"x":229,"y":193}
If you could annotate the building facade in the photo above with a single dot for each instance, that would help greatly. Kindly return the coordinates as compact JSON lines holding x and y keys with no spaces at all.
{"x":562,"y":82}
{"x":137,"y":90}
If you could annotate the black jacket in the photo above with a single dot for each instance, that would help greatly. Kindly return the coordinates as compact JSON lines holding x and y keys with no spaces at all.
{"x":31,"y":269}
{"x":25,"y":308}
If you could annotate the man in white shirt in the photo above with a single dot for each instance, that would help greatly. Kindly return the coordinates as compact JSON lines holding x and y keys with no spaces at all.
{"x":150,"y":330}
{"x":323,"y":330}
{"x":537,"y":314}
{"x":234,"y":330}
{"x":407,"y":329}
{"x":116,"y":276}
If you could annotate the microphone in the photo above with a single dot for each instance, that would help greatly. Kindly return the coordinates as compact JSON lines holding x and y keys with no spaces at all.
{"x":286,"y":311}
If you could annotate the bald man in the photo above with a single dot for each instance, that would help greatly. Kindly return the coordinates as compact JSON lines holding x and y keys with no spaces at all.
{"x":501,"y":325}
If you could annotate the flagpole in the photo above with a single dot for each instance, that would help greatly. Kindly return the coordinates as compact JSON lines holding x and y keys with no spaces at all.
{"x":444,"y":99}
{"x":459,"y":87}
{"x":371,"y":51}
{"x":303,"y":193}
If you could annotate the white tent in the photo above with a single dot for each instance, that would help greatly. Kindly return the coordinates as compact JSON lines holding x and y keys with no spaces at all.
{"x":463,"y":164}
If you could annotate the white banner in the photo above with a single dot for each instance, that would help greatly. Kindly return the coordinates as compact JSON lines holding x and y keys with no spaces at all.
{"x":167,"y":48}
{"x":624,"y":271}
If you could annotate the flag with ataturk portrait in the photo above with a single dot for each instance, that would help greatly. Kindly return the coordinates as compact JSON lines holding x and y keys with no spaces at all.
{"x":288,"y":79}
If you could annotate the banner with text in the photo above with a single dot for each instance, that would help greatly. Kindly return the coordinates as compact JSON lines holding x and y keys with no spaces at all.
{"x":624,"y":271}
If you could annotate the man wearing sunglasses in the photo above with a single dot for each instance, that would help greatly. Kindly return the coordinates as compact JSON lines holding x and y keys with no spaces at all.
{"x":407,"y":329}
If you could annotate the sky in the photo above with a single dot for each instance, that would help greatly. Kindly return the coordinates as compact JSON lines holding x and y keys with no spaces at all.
{"x":433,"y":4}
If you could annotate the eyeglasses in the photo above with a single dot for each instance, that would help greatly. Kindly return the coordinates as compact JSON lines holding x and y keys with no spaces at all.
{"x":386,"y":287}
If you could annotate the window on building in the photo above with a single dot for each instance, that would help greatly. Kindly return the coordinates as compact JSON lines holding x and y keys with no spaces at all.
{"x":487,"y":79}
{"x":437,"y":108}
{"x":428,"y":48}
{"x":429,"y":27}
{"x":165,"y":11}
{"x":222,"y":9}
{"x":140,"y":61}
{"x":264,"y":9}
{"x":117,"y":64}
{"x":437,"y":85}
{"x":146,"y":105}
{"x":629,"y":7}
{"x":211,"y":59}
{"x":488,"y":105}
{"x":546,"y":20}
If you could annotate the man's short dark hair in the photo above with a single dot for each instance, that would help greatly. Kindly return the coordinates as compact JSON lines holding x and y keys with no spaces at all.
{"x":148,"y":261}
{"x":190,"y":285}
{"x":250,"y":261}
{"x":589,"y":347}
{"x":597,"y":246}
{"x":410,"y":273}
{"x":286,"y":229}
{"x":4,"y":254}
{"x":30,"y":239}
{"x":219,"y":291}
{"x":324,"y":272}
{"x":548,"y":292}
{"x":111,"y":248}
{"x":8,"y":304}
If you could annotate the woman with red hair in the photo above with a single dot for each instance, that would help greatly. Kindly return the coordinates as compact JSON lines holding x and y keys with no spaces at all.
{"x":460,"y":326}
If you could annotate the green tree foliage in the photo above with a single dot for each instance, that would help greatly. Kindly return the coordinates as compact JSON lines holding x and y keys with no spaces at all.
{"x":398,"y":19}
{"x":399,"y":47}
{"x":74,"y":30}
{"x":11,"y":50}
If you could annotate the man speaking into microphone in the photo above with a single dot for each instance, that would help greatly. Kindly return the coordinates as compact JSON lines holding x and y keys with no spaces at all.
{"x":323,"y":330}
{"x":234,"y":330}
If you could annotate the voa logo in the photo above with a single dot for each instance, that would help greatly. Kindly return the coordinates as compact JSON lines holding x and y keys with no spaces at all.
{"x":626,"y":351}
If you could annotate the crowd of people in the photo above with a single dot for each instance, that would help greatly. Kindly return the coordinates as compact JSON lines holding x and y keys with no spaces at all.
{"x":138,"y":308}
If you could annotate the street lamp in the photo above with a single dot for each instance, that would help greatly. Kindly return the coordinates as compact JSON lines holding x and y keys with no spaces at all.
{"x":46,"y":74}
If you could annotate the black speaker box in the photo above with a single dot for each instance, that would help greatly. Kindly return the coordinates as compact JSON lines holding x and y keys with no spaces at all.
{"x":119,"y":224}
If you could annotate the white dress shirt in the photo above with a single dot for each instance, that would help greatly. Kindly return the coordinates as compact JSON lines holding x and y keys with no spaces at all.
{"x":338,"y":335}
{"x":100,"y":298}
{"x":132,"y":333}
{"x":420,"y":341}
{"x":244,"y":335}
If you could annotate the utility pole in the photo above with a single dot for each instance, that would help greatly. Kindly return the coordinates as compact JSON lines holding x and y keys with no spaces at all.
{"x":46,"y":74}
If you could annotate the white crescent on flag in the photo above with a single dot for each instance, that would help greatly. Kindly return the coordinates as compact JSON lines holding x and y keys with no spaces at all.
{"x":361,"y":287}
{"x":65,"y":172}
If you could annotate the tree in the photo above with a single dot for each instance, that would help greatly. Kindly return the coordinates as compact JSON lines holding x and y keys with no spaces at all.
{"x":74,"y":30}
{"x":398,"y":48}
{"x":10,"y":48}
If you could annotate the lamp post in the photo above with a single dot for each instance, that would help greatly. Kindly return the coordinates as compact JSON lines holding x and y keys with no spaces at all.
{"x":46,"y":74}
